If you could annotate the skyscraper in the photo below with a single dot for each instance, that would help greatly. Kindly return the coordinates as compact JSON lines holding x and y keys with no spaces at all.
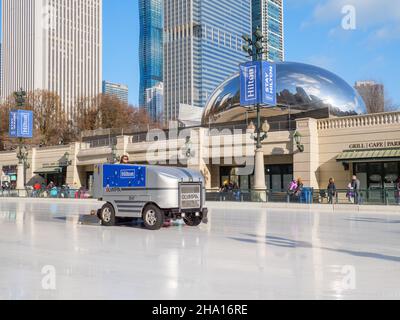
{"x":155,"y":102}
{"x":1,"y":67}
{"x":118,"y":90}
{"x":268,"y":16}
{"x":54,"y":45}
{"x":203,"y":46}
{"x":151,"y":46}
{"x":373,"y":95}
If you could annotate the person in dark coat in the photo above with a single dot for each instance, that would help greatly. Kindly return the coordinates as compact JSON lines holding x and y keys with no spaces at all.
{"x":331,"y":190}
{"x":356,"y":185}
{"x":397,"y":191}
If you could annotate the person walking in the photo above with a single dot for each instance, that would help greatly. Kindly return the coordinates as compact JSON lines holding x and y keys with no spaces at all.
{"x":331,"y":190}
{"x":356,"y":185}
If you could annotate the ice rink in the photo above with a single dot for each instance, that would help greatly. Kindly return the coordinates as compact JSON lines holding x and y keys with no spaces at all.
{"x":243,"y":253}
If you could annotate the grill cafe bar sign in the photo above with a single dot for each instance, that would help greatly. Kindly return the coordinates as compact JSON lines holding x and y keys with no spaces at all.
{"x":375,"y":145}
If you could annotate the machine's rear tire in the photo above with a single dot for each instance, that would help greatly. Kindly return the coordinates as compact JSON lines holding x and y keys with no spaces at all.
{"x":153,"y":217}
{"x":192,"y":221}
{"x":107,"y":215}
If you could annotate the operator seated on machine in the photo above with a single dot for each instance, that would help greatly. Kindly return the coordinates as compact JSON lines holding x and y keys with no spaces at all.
{"x":124,"y":160}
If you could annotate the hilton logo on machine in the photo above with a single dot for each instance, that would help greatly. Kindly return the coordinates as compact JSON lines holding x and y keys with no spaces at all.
{"x":127,"y":174}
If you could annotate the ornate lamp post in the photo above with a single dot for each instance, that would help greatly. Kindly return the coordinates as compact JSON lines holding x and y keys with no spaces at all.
{"x":189,"y":153}
{"x":22,"y":154}
{"x":22,"y":151}
{"x":255,"y":50}
{"x":114,"y":157}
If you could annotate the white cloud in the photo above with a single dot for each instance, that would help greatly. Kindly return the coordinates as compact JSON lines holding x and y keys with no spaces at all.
{"x":386,"y":33}
{"x":369,"y":13}
{"x":379,"y":19}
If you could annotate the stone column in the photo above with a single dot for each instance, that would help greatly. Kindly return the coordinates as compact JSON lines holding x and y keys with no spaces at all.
{"x":260,"y":188}
{"x":21,"y":180}
{"x":200,"y":159}
{"x":73,"y":176}
{"x":306,"y":164}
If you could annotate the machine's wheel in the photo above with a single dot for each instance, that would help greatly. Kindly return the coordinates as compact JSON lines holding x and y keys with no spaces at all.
{"x":107,"y":215}
{"x":192,"y":221}
{"x":153,"y":217}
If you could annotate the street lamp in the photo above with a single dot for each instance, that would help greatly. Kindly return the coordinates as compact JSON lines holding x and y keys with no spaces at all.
{"x":22,"y":151}
{"x":189,"y":153}
{"x":255,"y":50}
{"x":114,"y":157}
{"x":67,"y":161}
{"x":297,"y":139}
{"x":20,"y":97}
{"x":22,"y":154}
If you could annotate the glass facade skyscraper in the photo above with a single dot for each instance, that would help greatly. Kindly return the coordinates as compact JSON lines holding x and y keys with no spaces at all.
{"x":121,"y":91}
{"x":155,"y":102}
{"x":268,"y":15}
{"x":151,"y":46}
{"x":202,"y":48}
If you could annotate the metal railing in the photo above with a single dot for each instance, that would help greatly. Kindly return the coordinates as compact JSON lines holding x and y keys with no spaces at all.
{"x":58,"y":193}
{"x":384,"y":196}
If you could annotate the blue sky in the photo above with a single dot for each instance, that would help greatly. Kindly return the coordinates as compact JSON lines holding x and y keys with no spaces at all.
{"x":313,"y":34}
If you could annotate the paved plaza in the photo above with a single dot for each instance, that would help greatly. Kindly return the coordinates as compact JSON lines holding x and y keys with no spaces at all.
{"x":52,"y":250}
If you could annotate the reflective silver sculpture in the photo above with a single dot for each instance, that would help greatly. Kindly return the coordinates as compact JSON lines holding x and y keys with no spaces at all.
{"x":304,"y":91}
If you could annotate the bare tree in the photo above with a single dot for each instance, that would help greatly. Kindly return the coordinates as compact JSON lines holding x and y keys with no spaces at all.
{"x":373,"y":96}
{"x":109,"y":112}
{"x":390,"y":106}
{"x":51,"y":125}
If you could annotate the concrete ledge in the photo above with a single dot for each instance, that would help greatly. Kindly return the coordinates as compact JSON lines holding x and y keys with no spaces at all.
{"x":307,"y":207}
{"x":53,"y":200}
{"x":242,"y":205}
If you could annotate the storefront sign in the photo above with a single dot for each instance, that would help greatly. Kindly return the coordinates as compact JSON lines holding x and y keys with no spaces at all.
{"x":375,"y":145}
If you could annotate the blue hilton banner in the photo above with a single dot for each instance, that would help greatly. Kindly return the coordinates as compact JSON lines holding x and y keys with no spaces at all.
{"x":13,"y":124}
{"x":21,"y":124}
{"x":249,"y":84}
{"x":268,"y":83}
{"x":258,"y":83}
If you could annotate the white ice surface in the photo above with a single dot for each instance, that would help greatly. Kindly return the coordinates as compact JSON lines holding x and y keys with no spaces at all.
{"x":240,"y":254}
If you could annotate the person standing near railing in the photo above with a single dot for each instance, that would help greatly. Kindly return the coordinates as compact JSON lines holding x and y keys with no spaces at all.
{"x":291,"y":190}
{"x":299,"y":190}
{"x":397,"y":191}
{"x":331,"y":190}
{"x":356,"y":185}
{"x":36,"y":189}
